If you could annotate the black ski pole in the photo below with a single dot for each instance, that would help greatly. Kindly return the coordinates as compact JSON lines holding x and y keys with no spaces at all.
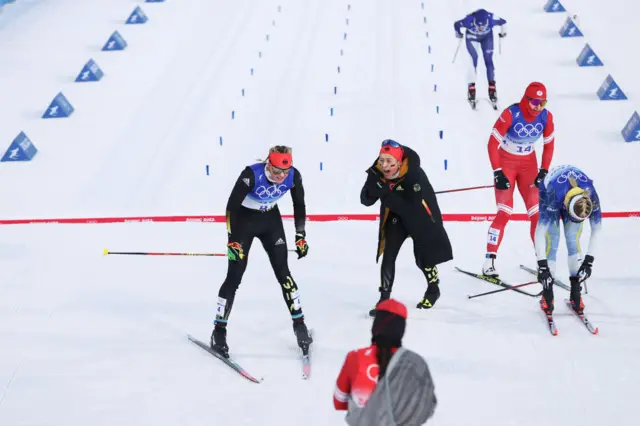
{"x":504,"y":289}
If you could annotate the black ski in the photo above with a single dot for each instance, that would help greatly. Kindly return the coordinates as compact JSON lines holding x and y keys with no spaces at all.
{"x":551,"y":324}
{"x":494,"y":104}
{"x":584,"y":319}
{"x":497,"y":281}
{"x":227,"y":361}
{"x":535,"y":273}
{"x":472,"y":103}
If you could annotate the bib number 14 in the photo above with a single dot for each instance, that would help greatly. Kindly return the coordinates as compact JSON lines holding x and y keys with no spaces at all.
{"x":523,"y":149}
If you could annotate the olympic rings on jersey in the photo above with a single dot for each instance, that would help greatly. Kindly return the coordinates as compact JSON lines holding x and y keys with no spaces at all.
{"x":528,"y":130}
{"x":273,"y":191}
{"x":572,"y":174}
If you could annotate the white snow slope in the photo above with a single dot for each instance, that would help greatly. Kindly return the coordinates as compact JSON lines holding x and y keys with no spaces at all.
{"x":88,"y":339}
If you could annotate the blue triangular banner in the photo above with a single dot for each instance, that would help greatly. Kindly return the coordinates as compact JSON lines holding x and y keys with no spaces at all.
{"x":21,"y":149}
{"x":59,"y":108}
{"x":631,"y":132}
{"x":570,"y":29}
{"x":588,"y":58}
{"x":554,"y":6}
{"x":90,"y":72}
{"x":115,"y":42}
{"x":137,"y":16}
{"x":610,"y":91}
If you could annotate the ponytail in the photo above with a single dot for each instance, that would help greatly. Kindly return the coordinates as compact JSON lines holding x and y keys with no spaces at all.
{"x":383,"y":354}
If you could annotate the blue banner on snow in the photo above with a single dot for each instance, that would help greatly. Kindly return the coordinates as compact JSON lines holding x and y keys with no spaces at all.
{"x":631,"y":132}
{"x":570,"y":29}
{"x":21,"y":149}
{"x":610,"y":91}
{"x":588,"y":58}
{"x":115,"y":42}
{"x":137,"y":16}
{"x":59,"y":108}
{"x":90,"y":72}
{"x":554,"y":6}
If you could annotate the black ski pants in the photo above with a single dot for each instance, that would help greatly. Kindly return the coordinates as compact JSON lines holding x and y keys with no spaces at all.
{"x":395,"y":235}
{"x":268,"y":228}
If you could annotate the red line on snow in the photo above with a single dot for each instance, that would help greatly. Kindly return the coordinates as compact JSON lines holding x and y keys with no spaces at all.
{"x":449,"y":217}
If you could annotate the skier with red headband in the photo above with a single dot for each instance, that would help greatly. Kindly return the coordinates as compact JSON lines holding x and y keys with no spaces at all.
{"x":514,"y":162}
{"x":252,"y":211}
{"x":408,"y":207}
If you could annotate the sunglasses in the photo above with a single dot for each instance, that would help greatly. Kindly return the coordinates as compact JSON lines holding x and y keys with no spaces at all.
{"x":278,"y":171}
{"x":536,"y":102}
{"x":390,"y":142}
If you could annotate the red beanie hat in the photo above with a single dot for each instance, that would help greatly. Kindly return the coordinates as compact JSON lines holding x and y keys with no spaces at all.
{"x":395,"y":152}
{"x":536,"y":90}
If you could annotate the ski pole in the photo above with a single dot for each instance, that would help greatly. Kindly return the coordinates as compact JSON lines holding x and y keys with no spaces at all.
{"x":457,"y":48}
{"x":504,"y":289}
{"x":463,"y":189}
{"x":500,"y":45}
{"x":151,"y":253}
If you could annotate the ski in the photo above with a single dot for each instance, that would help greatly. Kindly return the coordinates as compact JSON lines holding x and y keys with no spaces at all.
{"x":472,"y":103}
{"x":535,"y":273}
{"x":551,"y":324}
{"x":583,"y":318}
{"x":496,"y":281}
{"x":227,"y":361}
{"x":306,"y":359}
{"x":494,"y":104}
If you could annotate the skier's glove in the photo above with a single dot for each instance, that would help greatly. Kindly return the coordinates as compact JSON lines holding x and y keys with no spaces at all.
{"x":459,"y":34}
{"x":235,"y":252}
{"x":544,"y":274}
{"x":302,"y":248}
{"x":585,"y":269}
{"x":502,"y":34}
{"x":541,"y":175}
{"x":501,"y":180}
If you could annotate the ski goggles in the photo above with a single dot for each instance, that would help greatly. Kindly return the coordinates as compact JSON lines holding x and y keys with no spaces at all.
{"x":278,"y":171}
{"x":390,"y":142}
{"x":536,"y":102}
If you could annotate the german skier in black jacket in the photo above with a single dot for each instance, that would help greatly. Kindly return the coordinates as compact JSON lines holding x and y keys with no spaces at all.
{"x":408,"y":207}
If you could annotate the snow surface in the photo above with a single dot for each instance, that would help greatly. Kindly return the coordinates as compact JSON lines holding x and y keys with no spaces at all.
{"x":91,"y":339}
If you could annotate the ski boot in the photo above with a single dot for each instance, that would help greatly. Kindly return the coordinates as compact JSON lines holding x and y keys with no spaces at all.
{"x":384,"y":295}
{"x":302,"y":335}
{"x":576,"y":299}
{"x":489,"y":267}
{"x":430,"y":296}
{"x":471,"y":95}
{"x":546,"y":301}
{"x":219,"y":341}
{"x":493,"y":97}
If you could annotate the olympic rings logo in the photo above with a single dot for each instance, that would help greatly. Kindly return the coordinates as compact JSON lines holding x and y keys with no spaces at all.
{"x":270,"y":192}
{"x":528,"y":130}
{"x":572,"y":174}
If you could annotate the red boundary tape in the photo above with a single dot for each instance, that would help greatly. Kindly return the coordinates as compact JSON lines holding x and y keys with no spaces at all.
{"x":450,"y":217}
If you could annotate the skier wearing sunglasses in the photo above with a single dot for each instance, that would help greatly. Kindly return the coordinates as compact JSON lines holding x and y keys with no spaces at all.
{"x":408,"y":207}
{"x":252,"y":211}
{"x":513,"y":160}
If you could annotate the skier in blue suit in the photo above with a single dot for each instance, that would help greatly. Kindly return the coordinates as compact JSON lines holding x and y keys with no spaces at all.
{"x":567,"y":194}
{"x":479,"y":39}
